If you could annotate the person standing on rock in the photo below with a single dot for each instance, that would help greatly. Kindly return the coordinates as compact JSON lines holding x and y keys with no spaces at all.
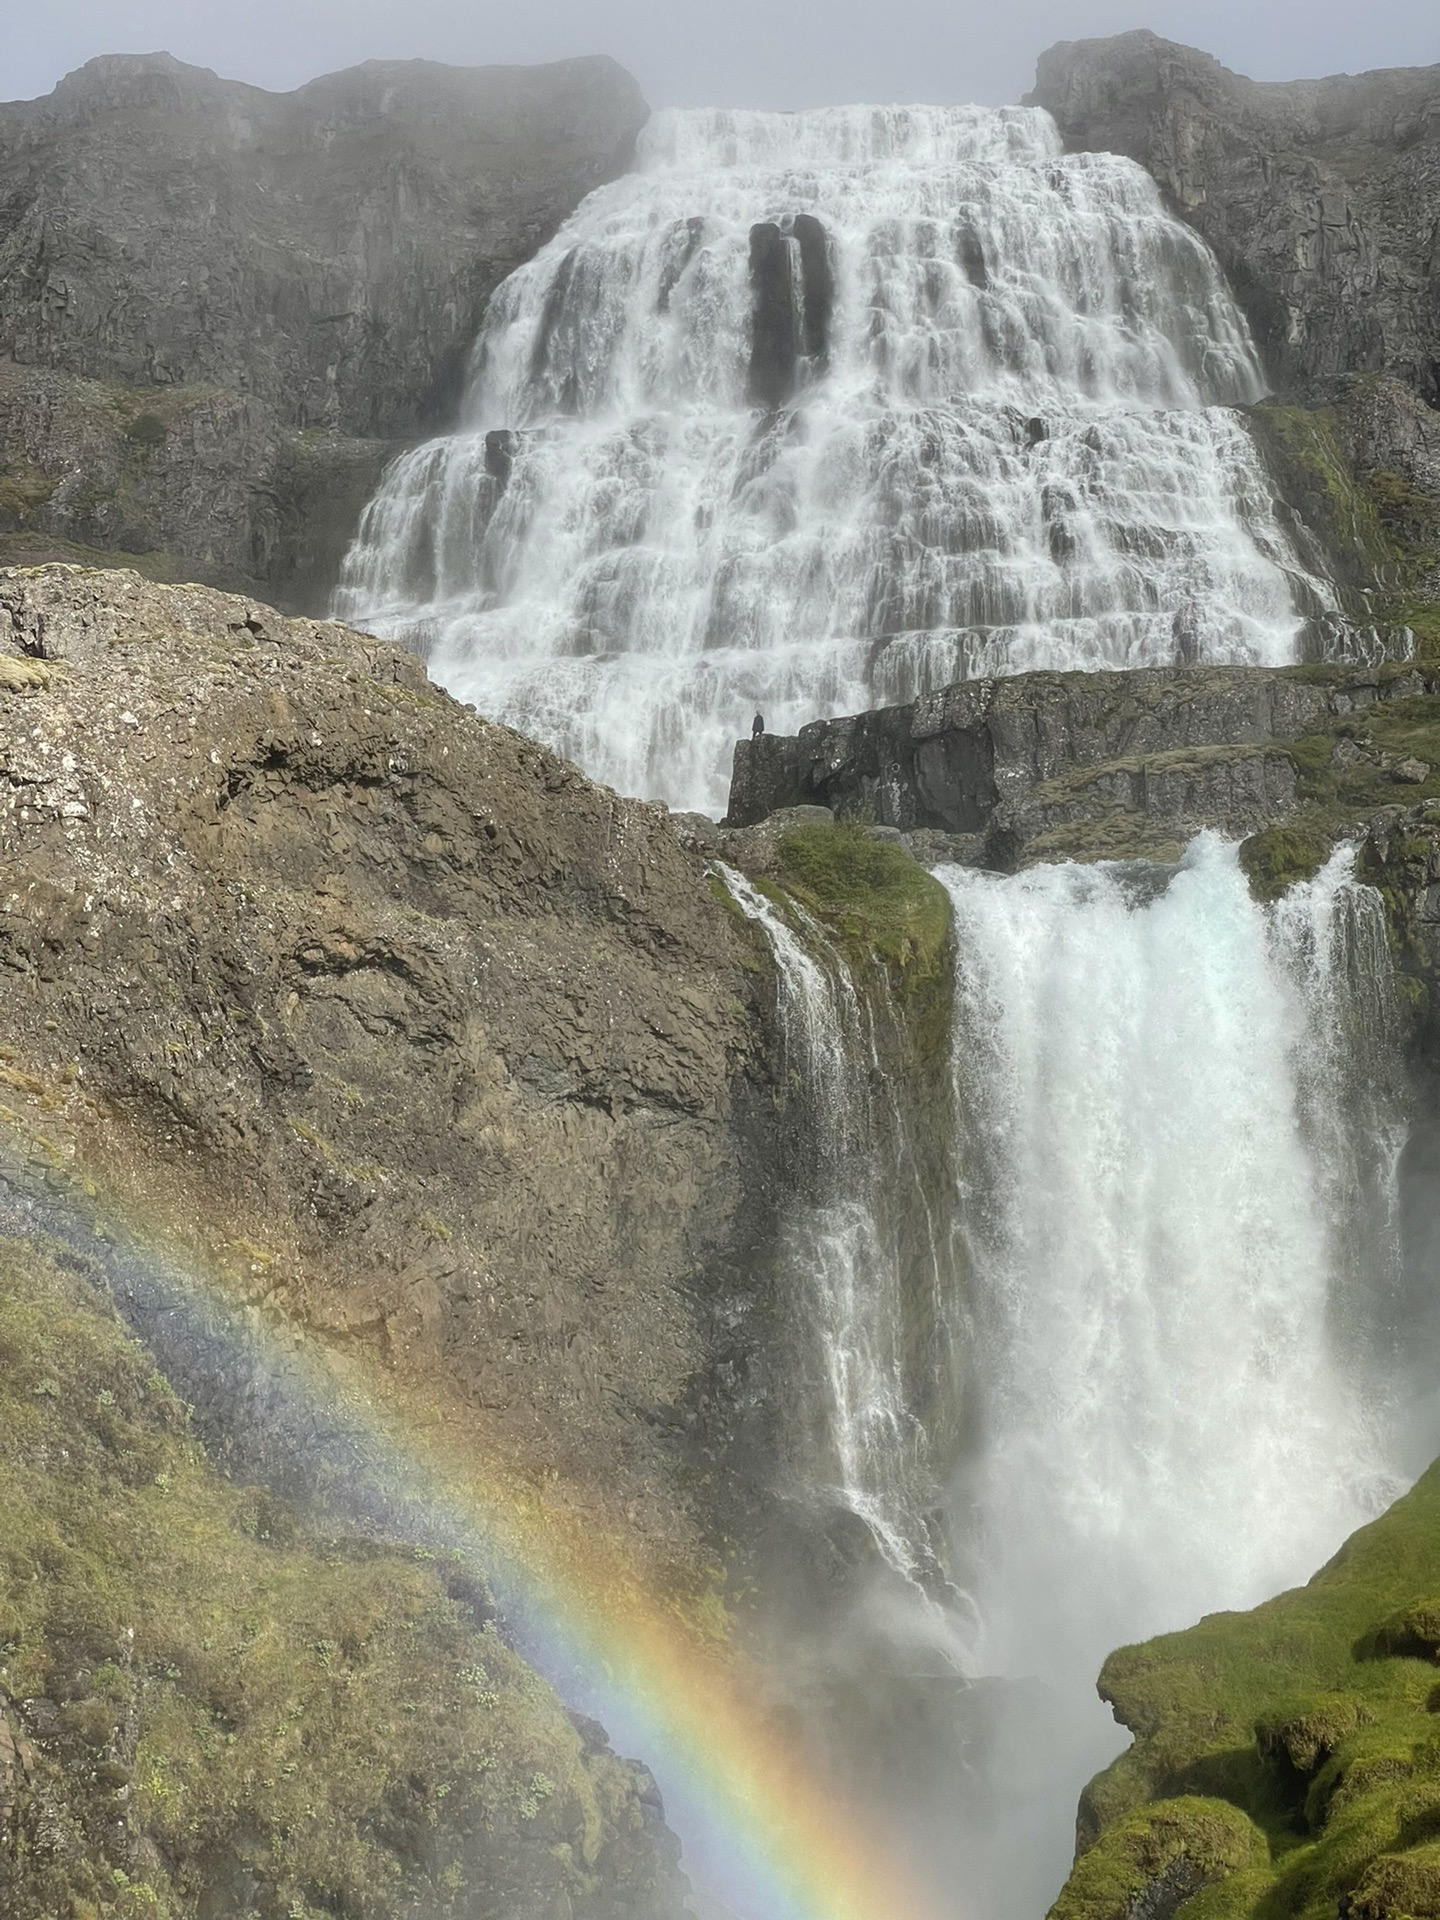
{"x":759,"y":727}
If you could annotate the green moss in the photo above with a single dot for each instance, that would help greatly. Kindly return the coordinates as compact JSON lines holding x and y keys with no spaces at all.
{"x":331,"y":1720}
{"x":24,"y":488}
{"x":870,"y":890}
{"x":1337,"y":795}
{"x":1312,"y":1716}
{"x":1381,"y":533}
{"x":1302,"y":448}
{"x":1277,"y":858}
{"x":885,"y":908}
{"x":1173,"y":1848}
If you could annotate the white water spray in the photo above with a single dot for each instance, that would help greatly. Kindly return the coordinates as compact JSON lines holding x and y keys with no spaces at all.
{"x":1177,"y":1155}
{"x":958,"y":409}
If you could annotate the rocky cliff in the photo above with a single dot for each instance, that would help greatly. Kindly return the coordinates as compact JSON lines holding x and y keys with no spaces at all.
{"x":1320,"y":197}
{"x":225,"y":308}
{"x":433,"y":1056}
{"x":1082,"y":766}
{"x":429,"y":1042}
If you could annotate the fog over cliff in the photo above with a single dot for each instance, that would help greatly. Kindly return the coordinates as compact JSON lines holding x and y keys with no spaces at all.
{"x":751,"y":54}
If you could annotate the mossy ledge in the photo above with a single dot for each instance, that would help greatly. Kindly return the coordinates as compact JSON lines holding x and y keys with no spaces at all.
{"x":884,"y":909}
{"x":1156,"y":1858}
{"x":205,"y":1709}
{"x":1312,"y":1717}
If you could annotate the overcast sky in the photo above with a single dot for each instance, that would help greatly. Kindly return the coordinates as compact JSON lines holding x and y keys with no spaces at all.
{"x":765,"y":53}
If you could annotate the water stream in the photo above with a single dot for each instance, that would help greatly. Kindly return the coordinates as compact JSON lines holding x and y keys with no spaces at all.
{"x":1174,"y":1135}
{"x":815,"y":411}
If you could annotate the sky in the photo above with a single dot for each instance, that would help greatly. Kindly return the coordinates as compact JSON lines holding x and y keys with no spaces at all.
{"x":763,"y":53}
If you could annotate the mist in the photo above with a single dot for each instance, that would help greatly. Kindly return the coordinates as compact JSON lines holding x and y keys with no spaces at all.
{"x":748,"y":54}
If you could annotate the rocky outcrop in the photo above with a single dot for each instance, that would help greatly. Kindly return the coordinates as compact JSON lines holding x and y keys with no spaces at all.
{"x":424,"y":1039}
{"x":1321,"y":198}
{"x":328,"y":251}
{"x":207,"y":1708}
{"x":1052,"y":766}
{"x":226,"y":308}
{"x":184,"y":482}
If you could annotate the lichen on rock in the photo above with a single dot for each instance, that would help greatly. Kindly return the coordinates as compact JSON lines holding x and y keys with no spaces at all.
{"x":206,"y":1708}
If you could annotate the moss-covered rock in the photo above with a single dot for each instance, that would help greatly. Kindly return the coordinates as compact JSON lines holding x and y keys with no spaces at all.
{"x":205,"y":1710}
{"x":1313,"y":1716}
{"x":1152,"y":1861}
{"x":1359,"y":481}
{"x":1304,"y":449}
{"x":885,"y":909}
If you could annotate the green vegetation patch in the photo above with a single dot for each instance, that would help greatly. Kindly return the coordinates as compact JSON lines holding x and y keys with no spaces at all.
{"x":1315,"y":1716}
{"x":1305,"y":454}
{"x":1379,"y":530}
{"x":870,"y":891}
{"x":1279,"y":857}
{"x":1345,"y":774}
{"x":885,"y":909}
{"x":147,"y":431}
{"x":24,"y":488}
{"x":1158,"y":1857}
{"x":217,"y":1711}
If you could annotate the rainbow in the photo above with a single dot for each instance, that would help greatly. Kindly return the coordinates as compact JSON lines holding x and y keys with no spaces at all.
{"x":764,"y":1837}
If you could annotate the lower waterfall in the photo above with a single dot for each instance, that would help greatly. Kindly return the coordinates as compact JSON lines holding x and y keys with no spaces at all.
{"x":1170,"y":1256}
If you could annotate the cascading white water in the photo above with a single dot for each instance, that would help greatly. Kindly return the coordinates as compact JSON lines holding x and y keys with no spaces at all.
{"x":1175,"y":1127}
{"x":874,"y":1454}
{"x":816,"y":411}
{"x":1177,"y":1161}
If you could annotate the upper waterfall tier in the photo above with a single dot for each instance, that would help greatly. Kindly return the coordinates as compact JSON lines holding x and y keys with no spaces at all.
{"x":815,"y":411}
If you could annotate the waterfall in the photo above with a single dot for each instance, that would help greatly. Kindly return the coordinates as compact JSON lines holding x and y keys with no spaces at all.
{"x":1176,"y":1171}
{"x":817,"y":411}
{"x":864,"y":1390}
{"x":1158,"y":1380}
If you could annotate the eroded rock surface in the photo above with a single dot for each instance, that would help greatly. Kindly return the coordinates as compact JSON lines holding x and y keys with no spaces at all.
{"x":428,"y":1040}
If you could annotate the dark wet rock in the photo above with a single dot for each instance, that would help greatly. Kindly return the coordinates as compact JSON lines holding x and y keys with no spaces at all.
{"x":774,"y":347}
{"x":1047,"y":765}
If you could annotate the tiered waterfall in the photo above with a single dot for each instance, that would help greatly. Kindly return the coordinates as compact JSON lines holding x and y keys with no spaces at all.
{"x":813,"y":411}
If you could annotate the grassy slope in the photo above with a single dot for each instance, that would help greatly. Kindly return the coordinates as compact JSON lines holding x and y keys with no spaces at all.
{"x":222,"y":1714}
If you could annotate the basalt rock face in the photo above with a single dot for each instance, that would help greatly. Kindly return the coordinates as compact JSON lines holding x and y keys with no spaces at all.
{"x":406,"y":1027}
{"x":329,"y":251}
{"x":1320,"y":197}
{"x":228,"y":307}
{"x":1054,"y":766}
